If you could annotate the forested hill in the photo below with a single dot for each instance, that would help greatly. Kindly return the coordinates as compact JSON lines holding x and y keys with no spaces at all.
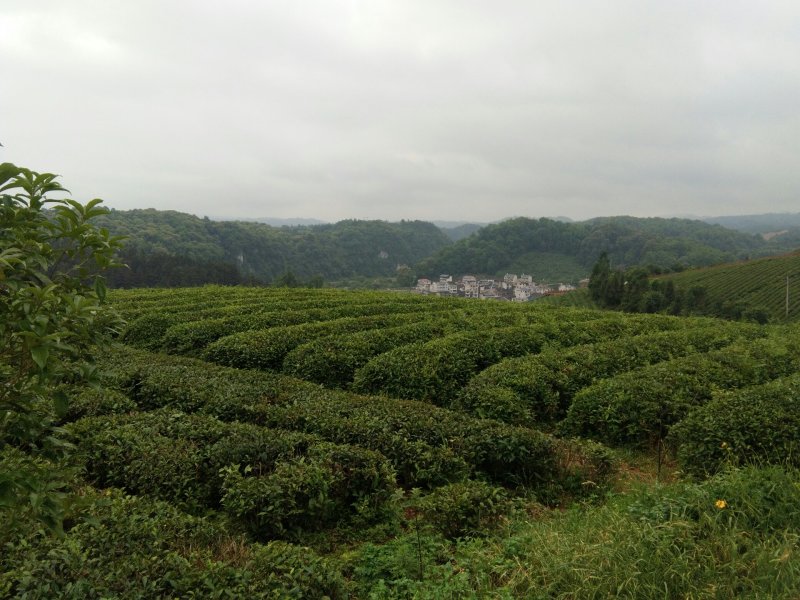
{"x":528,"y":245}
{"x":731,"y":289}
{"x":173,"y":248}
{"x":764,"y":223}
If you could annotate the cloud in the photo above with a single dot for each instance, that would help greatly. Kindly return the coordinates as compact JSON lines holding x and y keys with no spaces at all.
{"x":379,"y":109}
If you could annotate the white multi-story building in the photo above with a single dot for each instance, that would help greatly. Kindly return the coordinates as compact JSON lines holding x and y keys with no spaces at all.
{"x":470,"y":286}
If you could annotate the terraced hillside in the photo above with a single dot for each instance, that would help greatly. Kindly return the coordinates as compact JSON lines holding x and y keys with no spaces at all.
{"x":251,"y":442}
{"x":757,"y":284}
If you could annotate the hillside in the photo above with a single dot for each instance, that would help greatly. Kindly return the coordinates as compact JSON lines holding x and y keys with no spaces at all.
{"x":629,"y":241}
{"x":252,"y":442}
{"x":345,"y":249}
{"x":171,"y":248}
{"x":764,"y":223}
{"x":757,"y":283}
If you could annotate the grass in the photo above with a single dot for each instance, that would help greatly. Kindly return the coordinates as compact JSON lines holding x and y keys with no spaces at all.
{"x":654,"y":541}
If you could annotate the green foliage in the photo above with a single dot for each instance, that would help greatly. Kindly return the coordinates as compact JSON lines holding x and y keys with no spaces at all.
{"x":52,"y":314}
{"x":436,"y":371}
{"x":327,"y":486}
{"x":405,"y":277}
{"x":148,"y":330}
{"x":628,"y":241}
{"x":757,"y":499}
{"x":139,"y":548}
{"x":467,"y":508}
{"x":754,"y":425}
{"x":754,"y":290}
{"x":538,"y":388}
{"x":426,"y":445}
{"x":638,"y":407}
{"x":159,"y":268}
{"x":182,"y":242}
{"x":655,"y":542}
{"x":333,"y":360}
{"x":267,"y":349}
{"x":95,"y":402}
{"x":276,"y":483}
{"x":587,"y":469}
{"x":599,"y":279}
{"x":286,"y":279}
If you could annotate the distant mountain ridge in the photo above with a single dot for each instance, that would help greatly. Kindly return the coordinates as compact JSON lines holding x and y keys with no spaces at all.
{"x":629,"y":241}
{"x":167,"y":246}
{"x":289,"y":222}
{"x":345,"y":249}
{"x":762,"y":223}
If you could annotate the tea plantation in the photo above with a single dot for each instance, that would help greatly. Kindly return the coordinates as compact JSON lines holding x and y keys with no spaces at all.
{"x":295,"y":443}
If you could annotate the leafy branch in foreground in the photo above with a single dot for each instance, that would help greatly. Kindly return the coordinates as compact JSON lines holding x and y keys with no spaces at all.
{"x":52,"y":315}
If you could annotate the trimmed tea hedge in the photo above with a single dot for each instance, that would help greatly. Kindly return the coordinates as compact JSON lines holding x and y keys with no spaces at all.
{"x":437,"y":370}
{"x":539,"y":388}
{"x":277,"y":483}
{"x":754,"y":425}
{"x":142,"y":548}
{"x":266,"y":349}
{"x":637,"y":408}
{"x":428,"y":446}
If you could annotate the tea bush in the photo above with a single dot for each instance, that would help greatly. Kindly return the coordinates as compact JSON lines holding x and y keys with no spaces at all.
{"x":180,"y":457}
{"x":333,"y":361}
{"x":759,"y":424}
{"x":139,"y":548}
{"x":96,"y":401}
{"x":266,"y":349}
{"x":436,"y":371}
{"x":539,"y":388}
{"x":637,"y":408}
{"x":327,"y":486}
{"x":469,"y":508}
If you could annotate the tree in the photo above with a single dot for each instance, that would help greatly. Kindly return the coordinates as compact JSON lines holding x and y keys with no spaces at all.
{"x":636,"y":285}
{"x":598,"y":280}
{"x":52,"y":317}
{"x":405,"y":277}
{"x":287,"y":279}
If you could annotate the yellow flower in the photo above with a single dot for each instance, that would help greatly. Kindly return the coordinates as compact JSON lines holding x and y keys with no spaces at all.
{"x":720,"y":504}
{"x":723,"y":445}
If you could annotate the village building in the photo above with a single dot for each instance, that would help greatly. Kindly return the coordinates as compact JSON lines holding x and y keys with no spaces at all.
{"x":512,"y":287}
{"x":469,"y":285}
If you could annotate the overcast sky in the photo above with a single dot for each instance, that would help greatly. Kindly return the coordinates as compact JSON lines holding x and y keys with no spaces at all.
{"x":429,"y":109}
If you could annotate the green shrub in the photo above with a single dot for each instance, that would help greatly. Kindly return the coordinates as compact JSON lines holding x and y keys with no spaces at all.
{"x":539,"y":388}
{"x":329,"y":485}
{"x":333,"y":361}
{"x":639,"y":407}
{"x":467,"y":508}
{"x":140,"y":548}
{"x":146,"y":331}
{"x":158,"y":454}
{"x":759,"y":424}
{"x":266,"y":349}
{"x":293,"y":480}
{"x":291,"y":571}
{"x":436,"y":371}
{"x":93,"y":402}
{"x":586,"y":468}
{"x":428,"y":446}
